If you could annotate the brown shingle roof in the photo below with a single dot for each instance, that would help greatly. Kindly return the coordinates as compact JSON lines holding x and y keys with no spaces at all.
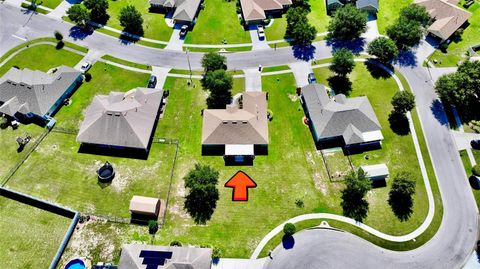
{"x":237,"y":126}
{"x":448,"y":17}
{"x":255,"y":9}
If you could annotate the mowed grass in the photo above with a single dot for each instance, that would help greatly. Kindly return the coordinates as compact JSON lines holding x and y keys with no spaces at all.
{"x":154,"y":24}
{"x":457,"y":49}
{"x":318,"y":15}
{"x":216,"y":23}
{"x":41,"y":57}
{"x":389,"y":10}
{"x":397,"y":152}
{"x":30,"y":236}
{"x":468,"y":169}
{"x":105,"y":79}
{"x":49,"y":3}
{"x":76,"y":185}
{"x":276,"y":31}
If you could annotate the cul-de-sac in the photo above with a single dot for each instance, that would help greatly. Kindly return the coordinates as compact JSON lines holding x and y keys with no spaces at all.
{"x":239,"y":134}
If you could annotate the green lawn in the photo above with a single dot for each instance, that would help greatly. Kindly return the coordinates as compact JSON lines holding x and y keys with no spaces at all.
{"x":276,"y":31}
{"x":457,"y":49}
{"x":468,"y":169}
{"x":41,"y":57}
{"x":127,"y":63}
{"x":49,"y":3}
{"x":105,"y":79}
{"x":153,"y":23}
{"x":318,"y":16}
{"x":30,"y":236}
{"x":217,"y":23}
{"x":389,"y":10}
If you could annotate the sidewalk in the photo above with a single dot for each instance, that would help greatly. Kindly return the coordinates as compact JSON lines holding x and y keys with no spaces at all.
{"x":61,"y":9}
{"x":239,"y":264}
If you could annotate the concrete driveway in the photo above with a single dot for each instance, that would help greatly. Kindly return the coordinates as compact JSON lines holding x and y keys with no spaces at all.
{"x":300,"y":72}
{"x":253,"y":80}
{"x":92,"y":56}
{"x":176,"y":41}
{"x":257,"y":44}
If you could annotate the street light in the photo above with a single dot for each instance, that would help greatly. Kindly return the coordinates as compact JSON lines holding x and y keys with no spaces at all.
{"x":189,"y":66}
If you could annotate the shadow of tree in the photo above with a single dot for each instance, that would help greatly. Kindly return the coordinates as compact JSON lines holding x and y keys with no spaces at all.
{"x":439,"y":112}
{"x":356,"y":46}
{"x":376,"y":71}
{"x":340,"y":84}
{"x":406,"y":58}
{"x":80,"y":33}
{"x":399,"y":123}
{"x":288,"y":241}
{"x":474,"y":182}
{"x":305,"y":52}
{"x":402,"y":207}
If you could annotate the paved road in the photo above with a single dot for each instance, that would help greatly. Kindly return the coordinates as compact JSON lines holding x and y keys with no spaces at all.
{"x":449,"y":248}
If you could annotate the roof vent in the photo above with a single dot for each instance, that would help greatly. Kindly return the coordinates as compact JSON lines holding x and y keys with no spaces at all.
{"x":117,"y":114}
{"x":225,"y":122}
{"x":244,"y":122}
{"x":109,"y":113}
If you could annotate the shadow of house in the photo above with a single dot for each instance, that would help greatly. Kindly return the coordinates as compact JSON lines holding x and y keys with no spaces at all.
{"x":121,"y":124}
{"x":33,"y":96}
{"x":237,"y":133}
{"x":340,"y":121}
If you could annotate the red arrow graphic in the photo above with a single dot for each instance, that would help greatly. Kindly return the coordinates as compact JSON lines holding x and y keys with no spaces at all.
{"x":240,"y":182}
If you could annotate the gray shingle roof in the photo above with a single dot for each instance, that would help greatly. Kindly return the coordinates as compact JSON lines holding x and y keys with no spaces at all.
{"x":182,"y":257}
{"x":121,"y":119}
{"x":185,"y":10}
{"x":367,"y":4}
{"x":339,"y":116}
{"x":34,"y":91}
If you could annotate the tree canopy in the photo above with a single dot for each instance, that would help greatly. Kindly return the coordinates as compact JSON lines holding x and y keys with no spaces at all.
{"x":400,"y":196}
{"x":342,"y":63}
{"x":298,"y":27}
{"x":415,"y":13}
{"x":131,"y":20}
{"x":78,"y":14}
{"x":462,"y":89}
{"x":219,"y":83}
{"x":403,"y":101}
{"x":213,"y":61}
{"x":353,"y":203}
{"x":383,"y":48}
{"x":405,"y":33}
{"x":98,"y":10}
{"x":347,"y":23}
{"x":201,"y":200}
{"x":289,"y":229}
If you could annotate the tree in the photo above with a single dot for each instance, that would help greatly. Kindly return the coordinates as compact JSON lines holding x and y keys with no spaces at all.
{"x":213,"y":61}
{"x":289,"y":229}
{"x":462,"y":89}
{"x":131,"y":20}
{"x":294,"y":15}
{"x":58,"y":35}
{"x":400,"y":196}
{"x":403,"y":101}
{"x":353,"y":202}
{"x":98,"y":10}
{"x":405,"y":33}
{"x":347,"y":23}
{"x":383,"y":48}
{"x":303,"y":33}
{"x":219,"y":83}
{"x":303,"y":4}
{"x":342,"y":62}
{"x":152,"y":226}
{"x":78,"y":14}
{"x":201,"y":200}
{"x":415,"y":13}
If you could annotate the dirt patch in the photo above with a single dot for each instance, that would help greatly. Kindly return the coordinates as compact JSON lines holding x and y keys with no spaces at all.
{"x":309,"y":157}
{"x":47,"y":149}
{"x":320,"y":184}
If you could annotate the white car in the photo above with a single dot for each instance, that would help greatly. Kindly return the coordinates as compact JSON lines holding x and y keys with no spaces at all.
{"x":261,"y":32}
{"x":85,"y":66}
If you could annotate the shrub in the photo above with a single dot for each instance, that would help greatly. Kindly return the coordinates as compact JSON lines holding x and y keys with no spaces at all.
{"x":58,"y":35}
{"x":476,"y":170}
{"x":270,"y":115}
{"x":289,"y":229}
{"x":152,"y":226}
{"x":299,"y":203}
{"x":175,"y":243}
{"x":3,"y":123}
{"x":88,"y":77}
{"x":216,"y":253}
{"x":60,"y":45}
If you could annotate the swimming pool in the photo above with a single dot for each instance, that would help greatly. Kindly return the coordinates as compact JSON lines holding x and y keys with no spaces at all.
{"x":75,"y":264}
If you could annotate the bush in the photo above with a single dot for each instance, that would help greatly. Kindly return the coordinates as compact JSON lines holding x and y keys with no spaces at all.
{"x":476,"y":170}
{"x":88,"y":77}
{"x":3,"y":123}
{"x":60,"y":45}
{"x":270,"y":115}
{"x":289,"y":229}
{"x":216,"y":253}
{"x":299,"y":203}
{"x":152,"y":226}
{"x":58,"y":35}
{"x":175,"y":243}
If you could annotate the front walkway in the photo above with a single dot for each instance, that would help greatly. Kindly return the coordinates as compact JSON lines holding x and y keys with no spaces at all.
{"x":253,"y":80}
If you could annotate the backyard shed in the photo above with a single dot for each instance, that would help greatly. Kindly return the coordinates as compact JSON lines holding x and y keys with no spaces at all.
{"x":376,"y":172}
{"x":144,"y":207}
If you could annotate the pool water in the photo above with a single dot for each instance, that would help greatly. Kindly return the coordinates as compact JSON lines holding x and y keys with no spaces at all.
{"x":75,"y":264}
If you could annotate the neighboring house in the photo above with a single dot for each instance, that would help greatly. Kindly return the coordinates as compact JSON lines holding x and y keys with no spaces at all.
{"x":255,"y":11}
{"x":144,"y":208}
{"x":136,"y":256}
{"x":237,"y":133}
{"x":29,"y":95}
{"x":350,"y":122}
{"x":447,"y":16}
{"x":370,"y":6}
{"x":185,"y":11}
{"x":376,"y":172}
{"x":122,"y":120}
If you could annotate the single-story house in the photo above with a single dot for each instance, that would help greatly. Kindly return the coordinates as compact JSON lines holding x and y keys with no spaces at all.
{"x":137,"y":256}
{"x":447,"y":16}
{"x":144,"y":207}
{"x":370,"y":6}
{"x":184,"y":11}
{"x":376,"y":172}
{"x":29,"y":95}
{"x":122,"y":120}
{"x":237,"y":133}
{"x":255,"y":11}
{"x":348,"y":121}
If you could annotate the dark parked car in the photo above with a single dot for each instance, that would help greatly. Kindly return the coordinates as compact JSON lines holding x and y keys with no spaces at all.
{"x":152,"y":82}
{"x":475,"y":144}
{"x":184,"y":30}
{"x":311,"y":78}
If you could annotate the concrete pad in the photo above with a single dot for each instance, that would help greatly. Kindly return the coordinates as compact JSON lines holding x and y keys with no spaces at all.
{"x":161,"y":74}
{"x":300,"y":72}
{"x":253,"y":80}
{"x":257,"y":44}
{"x":176,"y":41}
{"x":92,"y":56}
